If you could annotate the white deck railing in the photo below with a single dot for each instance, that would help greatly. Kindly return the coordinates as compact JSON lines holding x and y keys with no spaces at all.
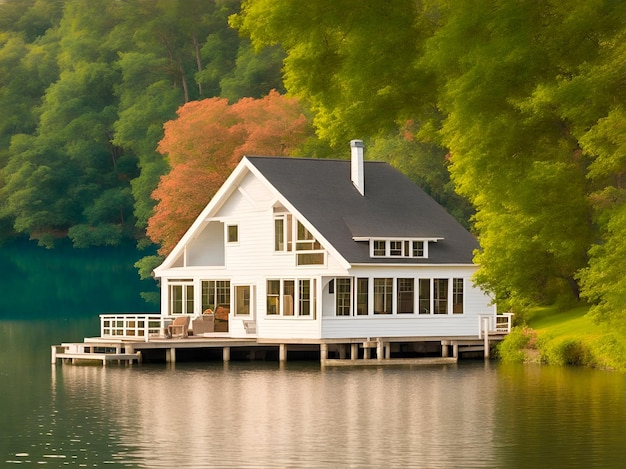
{"x":133,"y":326}
{"x":494,"y":324}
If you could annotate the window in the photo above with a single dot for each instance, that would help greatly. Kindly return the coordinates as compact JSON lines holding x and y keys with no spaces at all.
{"x":395,"y":248}
{"x":242,"y":300}
{"x":283,"y":233}
{"x":398,"y":248}
{"x":457,"y":296}
{"x":273,"y":297}
{"x":233,"y":233}
{"x":279,"y":234}
{"x":284,"y":300}
{"x":418,"y":249}
{"x":307,"y":243}
{"x":343,"y":296}
{"x":215,"y":293}
{"x":383,"y":295}
{"x":440,"y":292}
{"x":305,"y":240}
{"x":181,"y":298}
{"x":380,"y":248}
{"x":304,"y":297}
{"x":424,"y":296}
{"x":288,"y":297}
{"x":406,"y":288}
{"x":362,"y":288}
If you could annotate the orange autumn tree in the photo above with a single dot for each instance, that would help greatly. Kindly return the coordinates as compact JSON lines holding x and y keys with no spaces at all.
{"x":205,"y":143}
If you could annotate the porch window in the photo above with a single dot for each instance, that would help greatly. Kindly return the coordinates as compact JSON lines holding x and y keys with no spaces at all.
{"x":215,"y":293}
{"x":406,"y":293}
{"x":242,"y":300}
{"x":343,"y":296}
{"x":383,"y":295}
{"x":181,"y":298}
{"x":424,"y":295}
{"x":273,"y":297}
{"x":362,"y":296}
{"x":440,"y":293}
{"x":304,"y":297}
{"x":457,"y":296}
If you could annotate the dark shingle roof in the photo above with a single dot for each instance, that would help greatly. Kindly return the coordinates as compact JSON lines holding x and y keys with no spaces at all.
{"x":393,"y":206}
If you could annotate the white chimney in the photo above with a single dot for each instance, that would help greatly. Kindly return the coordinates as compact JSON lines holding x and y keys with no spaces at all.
{"x":356,"y":167}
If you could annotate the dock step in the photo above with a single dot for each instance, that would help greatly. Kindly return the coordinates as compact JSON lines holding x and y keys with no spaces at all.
{"x":61,"y":352}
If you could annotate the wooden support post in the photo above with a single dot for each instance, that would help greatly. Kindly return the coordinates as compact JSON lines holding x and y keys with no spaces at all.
{"x":226,"y":354}
{"x":366,"y":353}
{"x":444,"y":349}
{"x":354,"y":351}
{"x":323,"y":352}
{"x":379,"y":350}
{"x":455,"y":350}
{"x":170,"y":355}
{"x":486,"y":334}
{"x":53,"y":351}
{"x":282,"y":353}
{"x":388,"y":351}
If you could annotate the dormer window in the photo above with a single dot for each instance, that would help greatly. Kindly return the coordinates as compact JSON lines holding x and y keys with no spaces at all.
{"x":399,"y":248}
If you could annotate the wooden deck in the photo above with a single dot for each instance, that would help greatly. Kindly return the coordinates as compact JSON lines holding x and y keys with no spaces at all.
{"x":332,"y":352}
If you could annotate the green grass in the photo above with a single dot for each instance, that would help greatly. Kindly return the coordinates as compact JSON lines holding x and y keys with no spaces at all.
{"x":565,"y":337}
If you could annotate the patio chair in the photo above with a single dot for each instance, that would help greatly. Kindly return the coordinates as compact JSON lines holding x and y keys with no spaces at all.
{"x":179,"y":327}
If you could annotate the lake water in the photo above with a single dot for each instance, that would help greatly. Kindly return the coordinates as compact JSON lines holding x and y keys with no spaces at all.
{"x":261,"y":414}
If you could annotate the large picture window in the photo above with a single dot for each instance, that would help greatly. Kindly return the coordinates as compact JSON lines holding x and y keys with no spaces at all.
{"x":215,"y":293}
{"x":288,"y":297}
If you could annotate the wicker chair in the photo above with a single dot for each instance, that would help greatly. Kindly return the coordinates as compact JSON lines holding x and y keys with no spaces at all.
{"x":179,"y":327}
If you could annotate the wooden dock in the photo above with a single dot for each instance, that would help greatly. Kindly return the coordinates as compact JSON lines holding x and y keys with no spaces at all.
{"x":332,"y":352}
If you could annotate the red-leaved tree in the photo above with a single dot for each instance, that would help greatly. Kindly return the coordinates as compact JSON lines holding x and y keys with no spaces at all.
{"x":205,"y":143}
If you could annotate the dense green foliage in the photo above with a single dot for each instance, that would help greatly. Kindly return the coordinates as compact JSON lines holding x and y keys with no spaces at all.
{"x":511,"y":113}
{"x":527,"y":98}
{"x":565,"y":336}
{"x":85,"y":88}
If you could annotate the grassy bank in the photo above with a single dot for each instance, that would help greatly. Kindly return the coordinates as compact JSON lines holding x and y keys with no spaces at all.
{"x":564,"y":337}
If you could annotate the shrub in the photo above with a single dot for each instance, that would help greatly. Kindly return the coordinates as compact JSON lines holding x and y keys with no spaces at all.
{"x":511,"y":349}
{"x":565,"y":351}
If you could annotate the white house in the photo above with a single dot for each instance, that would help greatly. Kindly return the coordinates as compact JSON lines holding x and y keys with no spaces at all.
{"x":303,"y":250}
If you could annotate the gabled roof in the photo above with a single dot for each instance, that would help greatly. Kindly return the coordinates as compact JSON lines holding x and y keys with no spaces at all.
{"x":392,"y":207}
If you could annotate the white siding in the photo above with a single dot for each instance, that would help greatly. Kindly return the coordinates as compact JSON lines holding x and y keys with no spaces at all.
{"x":207,"y":248}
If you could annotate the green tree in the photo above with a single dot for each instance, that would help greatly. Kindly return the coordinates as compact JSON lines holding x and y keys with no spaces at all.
{"x":527,"y":98}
